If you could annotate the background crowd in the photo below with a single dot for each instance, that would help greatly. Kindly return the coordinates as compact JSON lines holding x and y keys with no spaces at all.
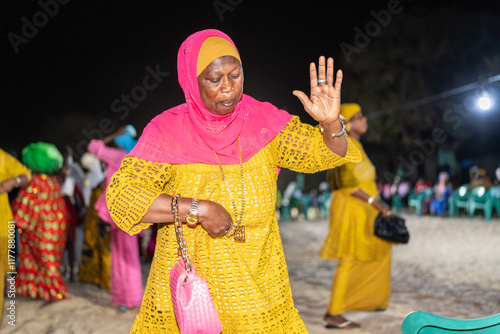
{"x":473,"y":193}
{"x":62,"y":224}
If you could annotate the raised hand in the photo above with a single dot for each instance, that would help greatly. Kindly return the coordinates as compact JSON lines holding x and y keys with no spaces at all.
{"x":324,"y":103}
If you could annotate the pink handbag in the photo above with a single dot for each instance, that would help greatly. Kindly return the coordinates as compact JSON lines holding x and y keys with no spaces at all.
{"x":193,"y":305}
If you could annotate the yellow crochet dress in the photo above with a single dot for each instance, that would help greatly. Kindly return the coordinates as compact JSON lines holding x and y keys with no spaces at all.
{"x":248,"y":281}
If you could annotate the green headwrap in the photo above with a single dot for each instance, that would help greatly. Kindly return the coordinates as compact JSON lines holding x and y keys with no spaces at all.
{"x":42,"y":157}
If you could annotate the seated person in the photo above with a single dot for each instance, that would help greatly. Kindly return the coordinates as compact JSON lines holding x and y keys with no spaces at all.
{"x":497,"y":177}
{"x":478,"y":178}
{"x":442,"y":191}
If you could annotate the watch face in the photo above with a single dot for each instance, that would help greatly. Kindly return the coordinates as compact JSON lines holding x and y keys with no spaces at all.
{"x":192,"y":219}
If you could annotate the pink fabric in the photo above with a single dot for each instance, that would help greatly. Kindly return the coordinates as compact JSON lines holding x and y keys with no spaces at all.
{"x":189,"y":132}
{"x":113,"y":158}
{"x":126,"y":276}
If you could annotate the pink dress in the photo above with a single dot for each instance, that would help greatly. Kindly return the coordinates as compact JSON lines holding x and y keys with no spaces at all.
{"x":126,"y":276}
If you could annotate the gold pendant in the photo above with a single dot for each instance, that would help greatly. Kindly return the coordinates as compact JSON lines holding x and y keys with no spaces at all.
{"x":239,"y":233}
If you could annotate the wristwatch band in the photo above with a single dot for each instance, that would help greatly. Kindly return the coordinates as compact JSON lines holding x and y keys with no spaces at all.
{"x":192,"y":215}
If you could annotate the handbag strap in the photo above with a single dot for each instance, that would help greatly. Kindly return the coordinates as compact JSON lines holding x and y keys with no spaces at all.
{"x":183,"y":249}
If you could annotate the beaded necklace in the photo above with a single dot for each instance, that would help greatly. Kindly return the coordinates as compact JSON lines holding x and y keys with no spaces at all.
{"x":239,"y":230}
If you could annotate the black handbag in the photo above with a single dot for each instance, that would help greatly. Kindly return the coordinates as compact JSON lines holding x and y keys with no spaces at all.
{"x":392,"y":229}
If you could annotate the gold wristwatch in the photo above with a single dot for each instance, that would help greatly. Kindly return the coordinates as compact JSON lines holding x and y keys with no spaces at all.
{"x":192,"y":215}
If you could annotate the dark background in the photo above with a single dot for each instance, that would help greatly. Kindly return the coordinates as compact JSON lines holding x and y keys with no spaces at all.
{"x":60,"y":85}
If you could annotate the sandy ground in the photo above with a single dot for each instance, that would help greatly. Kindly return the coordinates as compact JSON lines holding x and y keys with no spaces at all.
{"x":451,"y":267}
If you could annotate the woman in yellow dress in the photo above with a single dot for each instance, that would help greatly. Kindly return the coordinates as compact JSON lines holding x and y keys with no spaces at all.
{"x":363,"y":277}
{"x":221,"y":151}
{"x":13,"y":174}
{"x":95,"y":266}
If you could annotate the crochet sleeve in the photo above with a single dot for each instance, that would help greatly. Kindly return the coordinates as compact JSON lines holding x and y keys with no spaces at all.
{"x":132,"y":190}
{"x":301,"y":148}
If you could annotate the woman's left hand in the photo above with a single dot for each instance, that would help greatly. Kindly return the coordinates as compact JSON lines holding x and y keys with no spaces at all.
{"x":384,"y":209}
{"x":324,"y":103}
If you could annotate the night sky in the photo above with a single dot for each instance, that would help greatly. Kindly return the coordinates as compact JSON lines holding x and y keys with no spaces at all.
{"x":67,"y":67}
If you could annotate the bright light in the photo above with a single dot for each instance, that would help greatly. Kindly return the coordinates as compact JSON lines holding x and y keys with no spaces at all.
{"x":484,"y":101}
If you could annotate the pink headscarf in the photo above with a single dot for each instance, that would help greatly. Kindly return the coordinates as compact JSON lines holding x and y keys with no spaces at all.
{"x":189,"y":133}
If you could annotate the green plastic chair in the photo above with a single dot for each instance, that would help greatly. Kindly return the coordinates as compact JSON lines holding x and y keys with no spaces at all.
{"x":324,"y":203}
{"x":480,"y":199}
{"x":416,"y":200}
{"x":459,"y":199}
{"x":495,"y":198}
{"x":420,"y":322}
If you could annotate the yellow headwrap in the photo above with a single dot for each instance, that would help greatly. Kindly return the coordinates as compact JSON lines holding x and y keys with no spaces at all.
{"x":349,"y":109}
{"x":212,"y":48}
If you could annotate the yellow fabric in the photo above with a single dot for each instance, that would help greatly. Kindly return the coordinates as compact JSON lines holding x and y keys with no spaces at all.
{"x":212,"y":48}
{"x":9,"y":167}
{"x":349,"y":109}
{"x":248,"y":281}
{"x":351,"y":219}
{"x":362,"y":279}
{"x":361,"y":286}
{"x":95,"y":266}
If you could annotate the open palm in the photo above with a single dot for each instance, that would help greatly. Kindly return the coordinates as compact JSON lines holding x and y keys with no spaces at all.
{"x":324,"y":103}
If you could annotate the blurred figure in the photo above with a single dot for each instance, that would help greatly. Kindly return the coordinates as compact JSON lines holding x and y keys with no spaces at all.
{"x":71,"y":189}
{"x":126,"y":275}
{"x":94,"y":175}
{"x":324,"y":198}
{"x":43,"y":219}
{"x":400,"y":190}
{"x":95,"y":266}
{"x":310,"y":204}
{"x":363,"y":276}
{"x":422,"y":193}
{"x":13,"y":175}
{"x":422,"y":185}
{"x":387,"y":192}
{"x":478,"y":178}
{"x":497,"y":177}
{"x":442,"y":192}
